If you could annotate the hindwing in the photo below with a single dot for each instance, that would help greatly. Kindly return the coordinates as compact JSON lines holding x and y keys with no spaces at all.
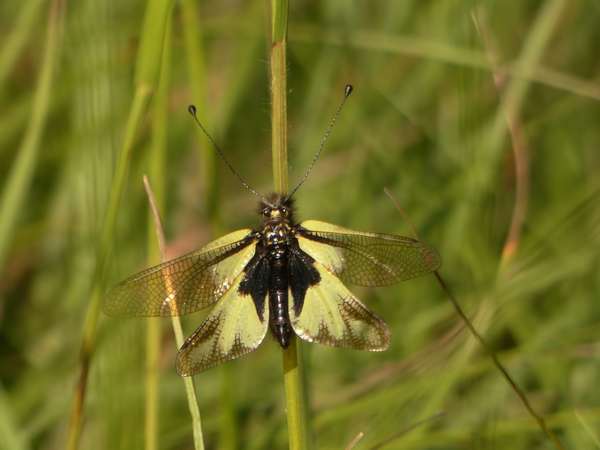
{"x":233,"y":328}
{"x":330,"y":314}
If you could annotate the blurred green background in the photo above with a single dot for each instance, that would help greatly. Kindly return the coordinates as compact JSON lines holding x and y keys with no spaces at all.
{"x":456,"y":104}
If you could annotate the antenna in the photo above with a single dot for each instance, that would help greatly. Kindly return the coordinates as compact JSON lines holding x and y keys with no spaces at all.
{"x":192,"y":110}
{"x":347,"y":91}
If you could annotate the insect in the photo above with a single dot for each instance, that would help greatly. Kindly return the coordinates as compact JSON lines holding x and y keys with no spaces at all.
{"x":284,"y":276}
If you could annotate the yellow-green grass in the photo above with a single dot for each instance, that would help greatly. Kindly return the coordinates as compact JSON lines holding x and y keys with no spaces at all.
{"x":426,"y":120}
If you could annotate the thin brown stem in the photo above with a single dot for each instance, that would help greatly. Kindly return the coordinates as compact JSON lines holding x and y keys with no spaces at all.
{"x":160,"y":233}
{"x":520,"y":393}
{"x":519,"y":146}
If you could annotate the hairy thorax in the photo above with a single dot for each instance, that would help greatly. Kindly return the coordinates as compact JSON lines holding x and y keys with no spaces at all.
{"x":276,"y":238}
{"x":277,"y":229}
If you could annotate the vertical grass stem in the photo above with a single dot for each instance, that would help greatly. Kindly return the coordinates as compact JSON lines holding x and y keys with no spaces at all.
{"x":177,"y":330}
{"x":279,"y":9}
{"x":292,"y":374}
{"x":157,"y":169}
{"x":146,"y":78}
{"x":19,"y":180}
{"x":14,"y":43}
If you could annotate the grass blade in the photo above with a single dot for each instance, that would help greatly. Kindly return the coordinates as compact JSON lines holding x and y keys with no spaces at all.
{"x":18,"y":183}
{"x":179,"y":339}
{"x":157,"y":169}
{"x":279,"y":18}
{"x":13,"y":45}
{"x":147,"y":73}
{"x":11,"y":436}
{"x":510,"y":380}
{"x":292,"y":372}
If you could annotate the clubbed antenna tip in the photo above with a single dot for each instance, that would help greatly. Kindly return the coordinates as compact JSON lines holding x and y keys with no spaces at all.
{"x":193,"y":111}
{"x":347,"y":91}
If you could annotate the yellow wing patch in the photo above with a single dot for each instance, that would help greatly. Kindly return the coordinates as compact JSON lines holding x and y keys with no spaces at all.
{"x":326,"y":226}
{"x":329,"y":256}
{"x":332,"y":315}
{"x":367,"y":259}
{"x":231,"y":330}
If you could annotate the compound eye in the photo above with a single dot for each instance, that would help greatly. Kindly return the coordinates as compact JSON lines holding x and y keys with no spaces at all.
{"x":266,"y":212}
{"x":284,"y":210}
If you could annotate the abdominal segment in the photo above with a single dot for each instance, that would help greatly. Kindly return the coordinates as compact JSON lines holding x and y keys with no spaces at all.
{"x":284,"y":273}
{"x":278,"y":302}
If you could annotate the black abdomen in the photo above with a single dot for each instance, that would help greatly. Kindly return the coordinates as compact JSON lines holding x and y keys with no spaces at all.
{"x":279,"y":318}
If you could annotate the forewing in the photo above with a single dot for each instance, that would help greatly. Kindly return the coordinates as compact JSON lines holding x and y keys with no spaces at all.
{"x":332,"y":315}
{"x":232,"y":329}
{"x":185,"y":284}
{"x":366,"y":259}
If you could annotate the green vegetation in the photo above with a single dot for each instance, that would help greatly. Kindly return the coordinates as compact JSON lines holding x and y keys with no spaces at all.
{"x":479,"y":117}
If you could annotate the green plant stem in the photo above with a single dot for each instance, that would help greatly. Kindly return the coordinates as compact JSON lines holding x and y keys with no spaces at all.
{"x":292,"y":373}
{"x":152,"y":380}
{"x":157,"y":163}
{"x":14,"y":43}
{"x":19,"y":180}
{"x":138,"y":106}
{"x":483,"y":343}
{"x":190,"y":391}
{"x":279,"y":9}
{"x":146,"y":79}
{"x":177,"y":330}
{"x":294,"y":397}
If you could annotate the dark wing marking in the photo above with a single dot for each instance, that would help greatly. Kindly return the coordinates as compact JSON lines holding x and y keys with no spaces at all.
{"x":332,"y":315}
{"x":367,"y":259}
{"x":302,"y":275}
{"x":256,"y":279}
{"x":185,"y":284}
{"x":232,"y":329}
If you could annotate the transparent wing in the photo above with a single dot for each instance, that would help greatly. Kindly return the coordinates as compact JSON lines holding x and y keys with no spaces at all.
{"x":233,"y":328}
{"x":366,"y":259}
{"x":332,"y":315}
{"x":185,"y":284}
